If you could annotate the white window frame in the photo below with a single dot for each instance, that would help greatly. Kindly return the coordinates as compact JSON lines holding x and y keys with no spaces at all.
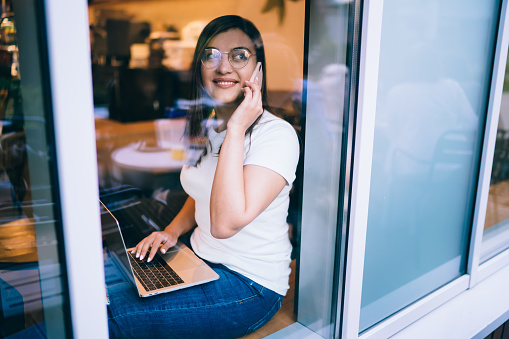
{"x":72,"y":101}
{"x":458,"y":299}
{"x":363,"y":153}
{"x":479,"y":271}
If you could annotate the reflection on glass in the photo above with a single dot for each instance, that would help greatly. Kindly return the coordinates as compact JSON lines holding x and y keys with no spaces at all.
{"x":327,"y":92}
{"x":496,"y":225}
{"x":142,"y":93}
{"x":32,"y":293}
{"x":435,"y":67}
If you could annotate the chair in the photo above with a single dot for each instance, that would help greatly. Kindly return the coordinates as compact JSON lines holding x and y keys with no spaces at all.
{"x":500,"y":170}
{"x":13,"y":159}
{"x":18,"y":250}
{"x":141,"y":94}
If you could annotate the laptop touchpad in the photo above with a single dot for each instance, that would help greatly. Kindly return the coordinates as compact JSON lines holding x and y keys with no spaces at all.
{"x":180,"y":260}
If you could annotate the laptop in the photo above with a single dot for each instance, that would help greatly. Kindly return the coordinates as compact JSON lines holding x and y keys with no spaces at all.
{"x":176,"y":269}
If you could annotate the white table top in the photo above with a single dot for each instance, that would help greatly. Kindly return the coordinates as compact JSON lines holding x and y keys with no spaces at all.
{"x":152,"y":160}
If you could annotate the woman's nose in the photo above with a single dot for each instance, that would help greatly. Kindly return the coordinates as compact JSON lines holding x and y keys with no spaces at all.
{"x":224,"y":66}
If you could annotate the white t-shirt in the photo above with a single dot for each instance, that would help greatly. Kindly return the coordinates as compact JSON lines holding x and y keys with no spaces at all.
{"x":261,"y":250}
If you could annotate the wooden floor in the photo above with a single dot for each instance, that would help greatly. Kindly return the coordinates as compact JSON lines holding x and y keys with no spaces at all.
{"x":498,"y":204}
{"x":284,"y":317}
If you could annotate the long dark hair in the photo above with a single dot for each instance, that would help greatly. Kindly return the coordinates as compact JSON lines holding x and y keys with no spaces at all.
{"x":201,"y":108}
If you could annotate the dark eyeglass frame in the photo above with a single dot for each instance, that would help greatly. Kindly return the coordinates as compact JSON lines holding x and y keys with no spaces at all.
{"x":217,"y":62}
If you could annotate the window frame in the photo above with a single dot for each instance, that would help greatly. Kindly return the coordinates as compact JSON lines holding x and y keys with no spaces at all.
{"x":477,"y":270}
{"x":371,"y":27}
{"x":72,"y":103}
{"x":366,"y":108}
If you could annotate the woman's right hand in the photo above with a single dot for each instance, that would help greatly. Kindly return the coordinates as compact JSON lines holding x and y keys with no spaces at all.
{"x":167,"y":239}
{"x":249,"y":109}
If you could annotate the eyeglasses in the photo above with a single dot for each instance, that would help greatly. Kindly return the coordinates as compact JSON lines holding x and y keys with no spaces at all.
{"x":238,"y":57}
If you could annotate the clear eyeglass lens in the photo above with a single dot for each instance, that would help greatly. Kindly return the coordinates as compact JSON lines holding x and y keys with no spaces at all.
{"x":212,"y":57}
{"x":238,"y":58}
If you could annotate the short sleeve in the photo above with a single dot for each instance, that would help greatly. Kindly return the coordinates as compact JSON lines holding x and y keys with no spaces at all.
{"x":274,"y":145}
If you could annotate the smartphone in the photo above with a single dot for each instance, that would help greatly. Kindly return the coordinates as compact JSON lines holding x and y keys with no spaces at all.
{"x":257,"y":73}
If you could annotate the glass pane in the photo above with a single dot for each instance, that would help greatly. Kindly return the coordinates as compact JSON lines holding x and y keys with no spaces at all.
{"x":143,"y":91}
{"x":434,"y":78}
{"x":496,"y":225}
{"x":33,"y":296}
{"x":327,"y":103}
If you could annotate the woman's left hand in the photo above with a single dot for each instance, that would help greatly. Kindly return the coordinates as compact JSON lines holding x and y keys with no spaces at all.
{"x":250,"y":108}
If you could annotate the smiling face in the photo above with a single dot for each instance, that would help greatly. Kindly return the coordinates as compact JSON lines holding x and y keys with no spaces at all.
{"x":223,"y":83}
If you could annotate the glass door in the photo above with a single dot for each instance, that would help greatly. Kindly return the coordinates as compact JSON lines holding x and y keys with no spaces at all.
{"x":45,"y":201}
{"x":142,"y":90}
{"x":33,"y":286}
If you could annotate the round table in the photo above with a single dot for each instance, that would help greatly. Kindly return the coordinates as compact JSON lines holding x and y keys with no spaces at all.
{"x":146,"y":168}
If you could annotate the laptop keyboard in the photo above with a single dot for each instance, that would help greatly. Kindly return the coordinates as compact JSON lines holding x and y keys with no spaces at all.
{"x":155,"y":274}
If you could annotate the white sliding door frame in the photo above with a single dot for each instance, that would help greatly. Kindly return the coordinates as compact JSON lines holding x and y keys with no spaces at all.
{"x":371,"y":28}
{"x":71,"y":96}
{"x":493,"y":114}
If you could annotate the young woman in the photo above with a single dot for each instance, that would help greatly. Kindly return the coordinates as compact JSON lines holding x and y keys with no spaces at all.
{"x":238,"y":199}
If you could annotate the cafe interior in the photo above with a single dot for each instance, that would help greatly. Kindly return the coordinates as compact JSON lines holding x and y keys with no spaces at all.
{"x":141,"y":54}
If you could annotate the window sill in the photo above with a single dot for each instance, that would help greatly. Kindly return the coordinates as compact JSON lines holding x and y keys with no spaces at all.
{"x":474,"y":313}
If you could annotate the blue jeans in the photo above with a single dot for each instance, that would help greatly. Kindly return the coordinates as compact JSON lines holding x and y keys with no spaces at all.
{"x":229,"y":307}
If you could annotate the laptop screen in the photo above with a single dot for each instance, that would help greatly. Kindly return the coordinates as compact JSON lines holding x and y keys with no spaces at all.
{"x":113,"y":242}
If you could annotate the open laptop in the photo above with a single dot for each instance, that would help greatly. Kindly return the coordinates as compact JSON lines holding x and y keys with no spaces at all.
{"x":178,"y":268}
